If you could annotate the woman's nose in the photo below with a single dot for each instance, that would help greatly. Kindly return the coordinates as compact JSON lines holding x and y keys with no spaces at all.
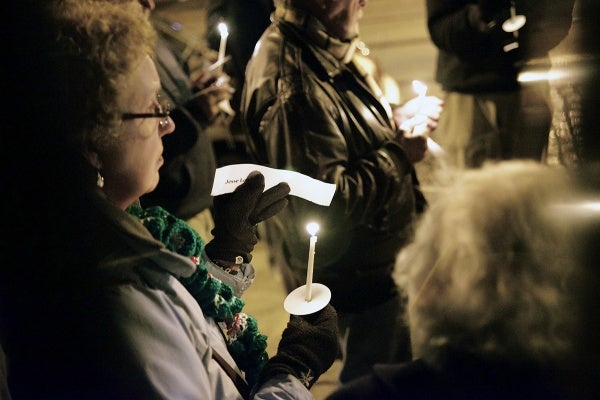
{"x":166,"y":126}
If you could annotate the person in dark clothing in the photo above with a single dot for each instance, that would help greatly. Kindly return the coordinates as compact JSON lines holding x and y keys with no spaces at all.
{"x":247,"y":20}
{"x":190,"y":161}
{"x":309,"y":106}
{"x":186,"y":177}
{"x":499,"y":310}
{"x":497,"y":103}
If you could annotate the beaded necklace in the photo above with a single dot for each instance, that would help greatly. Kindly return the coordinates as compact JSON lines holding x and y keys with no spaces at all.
{"x":245,"y":343}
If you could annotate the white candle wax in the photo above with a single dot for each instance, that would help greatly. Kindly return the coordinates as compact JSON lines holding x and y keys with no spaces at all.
{"x":436,"y":150}
{"x":312,"y":228}
{"x":223,"y":45}
{"x":309,"y":271}
{"x":421,"y":89}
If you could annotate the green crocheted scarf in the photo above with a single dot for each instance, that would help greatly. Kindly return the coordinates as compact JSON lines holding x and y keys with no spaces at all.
{"x":246,"y":344}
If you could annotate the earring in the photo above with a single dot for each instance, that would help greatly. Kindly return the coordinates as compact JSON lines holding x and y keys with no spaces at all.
{"x":100,"y":180}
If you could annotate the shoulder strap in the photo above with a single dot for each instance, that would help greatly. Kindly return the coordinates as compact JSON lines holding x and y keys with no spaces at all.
{"x":238,"y":381}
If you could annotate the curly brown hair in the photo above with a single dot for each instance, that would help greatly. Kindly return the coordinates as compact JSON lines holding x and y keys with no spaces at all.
{"x":99,"y":44}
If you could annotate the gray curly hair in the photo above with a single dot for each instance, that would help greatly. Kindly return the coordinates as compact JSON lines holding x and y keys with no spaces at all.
{"x":490,"y":270}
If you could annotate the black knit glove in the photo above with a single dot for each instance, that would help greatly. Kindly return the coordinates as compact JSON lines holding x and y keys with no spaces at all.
{"x":308,"y":347}
{"x":236,"y":215}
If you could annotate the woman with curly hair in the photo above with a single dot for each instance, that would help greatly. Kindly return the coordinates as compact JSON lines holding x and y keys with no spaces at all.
{"x":100,"y":298}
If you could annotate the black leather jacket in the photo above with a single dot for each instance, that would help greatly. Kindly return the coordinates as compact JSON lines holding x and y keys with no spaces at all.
{"x":306,"y":111}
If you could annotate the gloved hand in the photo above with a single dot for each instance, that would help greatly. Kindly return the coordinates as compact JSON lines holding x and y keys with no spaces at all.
{"x":236,"y":215}
{"x":308,"y":347}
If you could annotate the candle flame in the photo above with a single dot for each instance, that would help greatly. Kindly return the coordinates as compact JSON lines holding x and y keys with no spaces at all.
{"x":223,"y":28}
{"x":419,"y":87}
{"x":312,"y":228}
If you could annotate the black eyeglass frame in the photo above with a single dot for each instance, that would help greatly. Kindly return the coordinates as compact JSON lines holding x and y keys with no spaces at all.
{"x":164,"y":112}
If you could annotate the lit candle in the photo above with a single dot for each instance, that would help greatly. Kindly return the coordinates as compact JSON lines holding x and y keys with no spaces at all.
{"x":421,"y":90}
{"x":312,"y":228}
{"x":223,"y":45}
{"x":435,"y":149}
{"x":224,"y":105}
{"x":419,"y":87}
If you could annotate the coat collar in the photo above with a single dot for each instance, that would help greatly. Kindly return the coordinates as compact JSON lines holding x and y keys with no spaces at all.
{"x":130,"y":244}
{"x":342,"y":50}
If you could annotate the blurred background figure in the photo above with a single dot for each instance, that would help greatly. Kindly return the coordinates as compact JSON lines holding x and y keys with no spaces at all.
{"x":501,"y":281}
{"x":574,"y":139}
{"x":492,"y":65}
{"x":246,"y":21}
{"x":310,"y":105}
{"x":194,"y":89}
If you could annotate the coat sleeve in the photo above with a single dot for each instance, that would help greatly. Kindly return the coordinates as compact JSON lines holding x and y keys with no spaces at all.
{"x":163,"y":345}
{"x":451,"y":29}
{"x":164,"y":348}
{"x":283,"y":388}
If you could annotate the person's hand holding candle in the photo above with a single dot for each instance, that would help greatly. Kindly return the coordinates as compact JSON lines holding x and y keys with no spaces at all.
{"x":223,"y":104}
{"x":416,"y":119}
{"x":223,"y":44}
{"x":210,"y":90}
{"x":421,"y":111}
{"x":311,"y":297}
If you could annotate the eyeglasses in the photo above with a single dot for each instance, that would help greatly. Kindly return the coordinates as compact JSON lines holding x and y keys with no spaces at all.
{"x":161,"y":111}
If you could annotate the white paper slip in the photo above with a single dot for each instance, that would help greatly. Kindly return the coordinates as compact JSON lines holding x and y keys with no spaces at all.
{"x":229,"y":177}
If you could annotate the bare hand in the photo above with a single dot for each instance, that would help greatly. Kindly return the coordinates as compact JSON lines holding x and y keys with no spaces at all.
{"x":428,"y":108}
{"x":212,"y":90}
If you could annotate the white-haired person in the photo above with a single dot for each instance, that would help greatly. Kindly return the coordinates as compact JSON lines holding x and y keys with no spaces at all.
{"x":498,"y":280}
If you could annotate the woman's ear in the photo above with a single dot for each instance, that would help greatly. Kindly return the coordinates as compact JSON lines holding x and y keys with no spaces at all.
{"x":93,"y":158}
